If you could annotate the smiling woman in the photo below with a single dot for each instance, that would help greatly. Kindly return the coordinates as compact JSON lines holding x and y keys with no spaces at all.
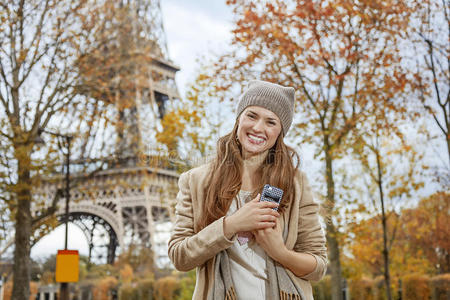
{"x":258,"y":130}
{"x":242,"y":247}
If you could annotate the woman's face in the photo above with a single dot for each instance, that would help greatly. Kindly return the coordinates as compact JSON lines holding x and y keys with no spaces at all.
{"x":258,"y":130}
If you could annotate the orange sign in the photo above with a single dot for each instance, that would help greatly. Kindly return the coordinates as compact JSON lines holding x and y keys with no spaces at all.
{"x":67,"y":266}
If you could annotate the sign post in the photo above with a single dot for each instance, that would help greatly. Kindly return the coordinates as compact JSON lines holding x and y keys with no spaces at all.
{"x":1,"y":287}
{"x":67,"y":266}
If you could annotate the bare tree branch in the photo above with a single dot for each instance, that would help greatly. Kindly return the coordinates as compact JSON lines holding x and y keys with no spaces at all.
{"x":49,"y":211}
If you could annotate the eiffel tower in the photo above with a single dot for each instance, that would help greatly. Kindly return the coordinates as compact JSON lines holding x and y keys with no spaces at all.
{"x":128,"y":202}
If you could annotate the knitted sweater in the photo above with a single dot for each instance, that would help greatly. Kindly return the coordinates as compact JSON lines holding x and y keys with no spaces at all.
{"x":191,"y":248}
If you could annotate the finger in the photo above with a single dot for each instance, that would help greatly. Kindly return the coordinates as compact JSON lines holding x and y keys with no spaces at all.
{"x":270,"y":211}
{"x":268,"y":204}
{"x":275,"y":213}
{"x":264,"y":225}
{"x":268,"y":218}
{"x":256,"y":199}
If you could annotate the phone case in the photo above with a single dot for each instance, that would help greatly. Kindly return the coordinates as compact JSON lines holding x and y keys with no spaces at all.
{"x":271,"y":193}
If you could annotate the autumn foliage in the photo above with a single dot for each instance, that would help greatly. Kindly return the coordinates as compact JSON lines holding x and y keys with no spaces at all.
{"x":102,"y":290}
{"x":7,"y":290}
{"x":415,"y":243}
{"x":415,"y":287}
{"x":426,"y":231}
{"x":68,"y":66}
{"x":166,"y":288}
{"x":440,"y":287}
{"x":362,"y":288}
{"x":342,"y":57}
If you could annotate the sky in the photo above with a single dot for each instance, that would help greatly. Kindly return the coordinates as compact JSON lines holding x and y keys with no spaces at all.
{"x":194,"y":29}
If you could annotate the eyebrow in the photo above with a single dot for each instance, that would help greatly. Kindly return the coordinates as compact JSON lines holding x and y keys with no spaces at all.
{"x":269,"y":118}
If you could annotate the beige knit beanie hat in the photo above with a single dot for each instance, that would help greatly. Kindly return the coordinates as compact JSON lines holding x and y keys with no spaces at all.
{"x":274,"y":97}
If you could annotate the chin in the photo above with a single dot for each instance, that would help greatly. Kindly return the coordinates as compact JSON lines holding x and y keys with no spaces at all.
{"x":254,"y":151}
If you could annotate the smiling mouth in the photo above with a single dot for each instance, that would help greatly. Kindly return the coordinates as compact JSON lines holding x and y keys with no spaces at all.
{"x":255,"y":139}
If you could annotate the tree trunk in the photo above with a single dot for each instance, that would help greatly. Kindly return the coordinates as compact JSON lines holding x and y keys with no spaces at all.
{"x":387,"y":277}
{"x":448,"y":146}
{"x":21,"y":268}
{"x":335,"y":263}
{"x":333,"y":245}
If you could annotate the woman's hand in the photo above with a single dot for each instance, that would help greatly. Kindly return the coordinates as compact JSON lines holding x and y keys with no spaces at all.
{"x":271,"y":240}
{"x":254,"y":215}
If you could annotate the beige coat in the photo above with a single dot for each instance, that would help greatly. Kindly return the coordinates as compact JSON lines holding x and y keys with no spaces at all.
{"x":190,"y":248}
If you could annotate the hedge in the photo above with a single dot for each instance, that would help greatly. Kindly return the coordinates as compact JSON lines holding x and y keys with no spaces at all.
{"x":146,"y":288}
{"x":7,"y":290}
{"x":129,"y":292}
{"x":166,"y":288}
{"x":103,"y":287}
{"x":187,"y":286}
{"x":440,"y":287}
{"x":322,"y":289}
{"x":380,"y":288}
{"x":363,"y":288}
{"x":415,"y":287}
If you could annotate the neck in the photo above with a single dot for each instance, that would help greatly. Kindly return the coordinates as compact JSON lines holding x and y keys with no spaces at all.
{"x":249,"y":168}
{"x":253,"y":162}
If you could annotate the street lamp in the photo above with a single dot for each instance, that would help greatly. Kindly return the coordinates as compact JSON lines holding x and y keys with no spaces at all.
{"x":64,"y":290}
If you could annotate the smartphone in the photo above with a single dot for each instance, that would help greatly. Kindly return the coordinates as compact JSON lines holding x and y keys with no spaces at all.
{"x":272,"y":194}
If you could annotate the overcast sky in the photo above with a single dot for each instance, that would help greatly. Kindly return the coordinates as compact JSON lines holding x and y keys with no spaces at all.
{"x":193,"y":29}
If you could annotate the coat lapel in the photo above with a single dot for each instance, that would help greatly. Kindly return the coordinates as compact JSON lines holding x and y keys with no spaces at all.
{"x":291,"y":214}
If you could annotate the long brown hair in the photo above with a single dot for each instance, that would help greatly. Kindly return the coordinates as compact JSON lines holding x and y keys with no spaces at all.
{"x":225,"y":178}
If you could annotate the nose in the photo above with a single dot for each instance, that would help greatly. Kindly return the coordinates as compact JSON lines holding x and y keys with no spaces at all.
{"x":259,"y":126}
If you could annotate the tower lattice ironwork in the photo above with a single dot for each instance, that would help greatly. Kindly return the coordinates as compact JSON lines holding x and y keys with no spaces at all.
{"x":127,"y":202}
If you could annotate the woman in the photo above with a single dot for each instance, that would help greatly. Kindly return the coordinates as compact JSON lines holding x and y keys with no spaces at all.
{"x":243,"y":248}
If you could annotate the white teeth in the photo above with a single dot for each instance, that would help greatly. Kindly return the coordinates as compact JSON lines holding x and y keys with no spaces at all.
{"x":255,"y":138}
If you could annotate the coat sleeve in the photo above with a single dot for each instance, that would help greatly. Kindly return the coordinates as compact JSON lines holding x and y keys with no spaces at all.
{"x":188,"y":249}
{"x":311,"y":237}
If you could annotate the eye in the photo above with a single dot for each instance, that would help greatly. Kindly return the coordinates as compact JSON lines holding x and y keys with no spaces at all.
{"x":272,"y":123}
{"x":251,"y":116}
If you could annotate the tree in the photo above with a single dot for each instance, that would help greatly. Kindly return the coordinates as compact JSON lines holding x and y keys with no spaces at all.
{"x":42,"y":47}
{"x":418,"y":242}
{"x":341,"y":56}
{"x":191,"y":127}
{"x":425,"y":231}
{"x":121,"y":51}
{"x":430,"y":26}
{"x":77,"y":66}
{"x":38,"y":48}
{"x":103,"y":288}
{"x":365,"y":256}
{"x":139,"y":259}
{"x":392,"y":168}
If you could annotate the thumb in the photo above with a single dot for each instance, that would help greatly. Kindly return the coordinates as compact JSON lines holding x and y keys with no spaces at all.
{"x":256,"y":199}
